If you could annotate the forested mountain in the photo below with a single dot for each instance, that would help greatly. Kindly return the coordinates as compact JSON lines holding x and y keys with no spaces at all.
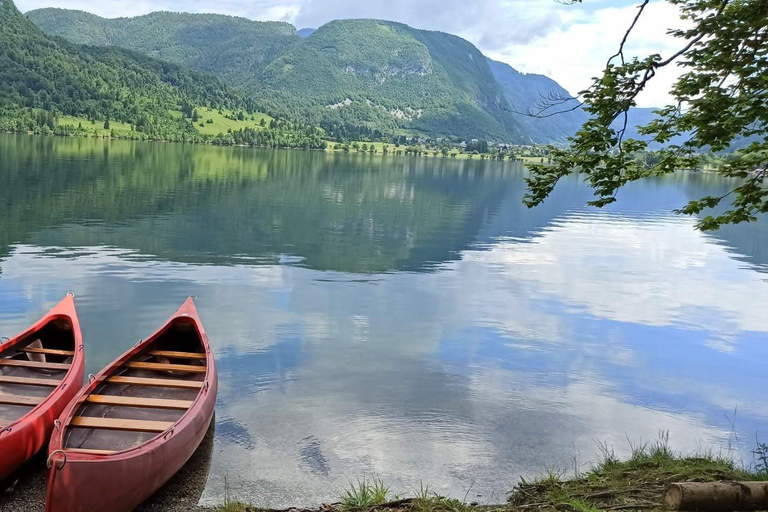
{"x":379,"y":75}
{"x":49,"y":85}
{"x":387,"y":74}
{"x":352,"y":77}
{"x":235,"y":49}
{"x":38,"y":73}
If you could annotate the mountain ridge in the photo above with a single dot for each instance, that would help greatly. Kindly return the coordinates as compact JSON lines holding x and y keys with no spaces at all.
{"x":400,"y":76}
{"x":354,"y":77}
{"x":426,"y":82}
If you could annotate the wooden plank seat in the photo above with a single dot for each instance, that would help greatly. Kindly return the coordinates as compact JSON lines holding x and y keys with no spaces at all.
{"x":120,"y":424}
{"x":28,"y":381}
{"x":90,"y":451}
{"x":166,"y":367}
{"x":20,"y":363}
{"x":48,"y":351}
{"x":148,"y":403}
{"x":170,"y":354}
{"x":20,"y":400}
{"x":156,"y":383}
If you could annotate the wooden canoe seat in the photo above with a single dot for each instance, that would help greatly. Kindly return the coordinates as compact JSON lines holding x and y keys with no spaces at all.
{"x":48,"y":351}
{"x":149,"y":403}
{"x":20,"y":400}
{"x":156,"y":383}
{"x":28,"y":381}
{"x":120,"y":424}
{"x":90,"y":452}
{"x":166,"y":367}
{"x":170,"y":354}
{"x":20,"y":363}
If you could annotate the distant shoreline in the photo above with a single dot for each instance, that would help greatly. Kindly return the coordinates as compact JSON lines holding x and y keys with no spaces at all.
{"x":423,"y":154}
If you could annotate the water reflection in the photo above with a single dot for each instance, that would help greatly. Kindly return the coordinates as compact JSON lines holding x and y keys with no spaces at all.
{"x":226,"y":205}
{"x":403,"y":317}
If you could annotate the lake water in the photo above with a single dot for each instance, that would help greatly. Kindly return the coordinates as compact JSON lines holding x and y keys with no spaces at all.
{"x":401,"y":317}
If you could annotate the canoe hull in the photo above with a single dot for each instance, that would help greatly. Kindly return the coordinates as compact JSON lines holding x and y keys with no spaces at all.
{"x":120,"y":482}
{"x":20,"y":441}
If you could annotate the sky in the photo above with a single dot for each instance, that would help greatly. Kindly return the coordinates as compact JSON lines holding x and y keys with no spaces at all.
{"x":569,"y":43}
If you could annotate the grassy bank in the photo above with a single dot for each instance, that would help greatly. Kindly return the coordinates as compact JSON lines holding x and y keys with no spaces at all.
{"x":213,"y":122}
{"x":609,"y":485}
{"x":210,"y":122}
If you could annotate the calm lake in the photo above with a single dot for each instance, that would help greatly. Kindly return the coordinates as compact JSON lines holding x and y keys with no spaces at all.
{"x":401,"y":317}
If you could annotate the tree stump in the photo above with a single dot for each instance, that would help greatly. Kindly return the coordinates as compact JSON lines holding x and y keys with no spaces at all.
{"x":717,"y":496}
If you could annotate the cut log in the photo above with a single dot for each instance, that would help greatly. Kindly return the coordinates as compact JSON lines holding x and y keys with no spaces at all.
{"x":717,"y":496}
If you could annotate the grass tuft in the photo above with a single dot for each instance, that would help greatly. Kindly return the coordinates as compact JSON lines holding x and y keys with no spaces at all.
{"x":435,"y":503}
{"x":551,"y":476}
{"x":636,"y":483}
{"x":365,"y":494}
{"x":581,"y":506}
{"x":233,"y":506}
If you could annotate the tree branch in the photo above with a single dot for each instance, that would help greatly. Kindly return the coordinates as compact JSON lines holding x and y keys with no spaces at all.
{"x":620,"y":53}
{"x":693,"y":41}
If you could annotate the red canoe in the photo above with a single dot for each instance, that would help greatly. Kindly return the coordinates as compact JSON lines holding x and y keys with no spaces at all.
{"x":135,"y":424}
{"x":41,"y":370}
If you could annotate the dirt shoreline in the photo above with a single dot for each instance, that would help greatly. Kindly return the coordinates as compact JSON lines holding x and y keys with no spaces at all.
{"x":611,"y":485}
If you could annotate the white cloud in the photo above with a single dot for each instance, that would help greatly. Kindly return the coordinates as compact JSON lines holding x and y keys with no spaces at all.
{"x":264,"y":10}
{"x":578,"y":49}
{"x":489,"y":23}
{"x":677,"y":276}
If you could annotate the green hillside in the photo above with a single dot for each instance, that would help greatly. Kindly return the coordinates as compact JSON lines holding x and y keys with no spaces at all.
{"x":235,"y":49}
{"x":49,"y":85}
{"x":381,"y":73}
{"x":40,"y":76}
{"x":358,"y":79}
{"x":348,"y":75}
